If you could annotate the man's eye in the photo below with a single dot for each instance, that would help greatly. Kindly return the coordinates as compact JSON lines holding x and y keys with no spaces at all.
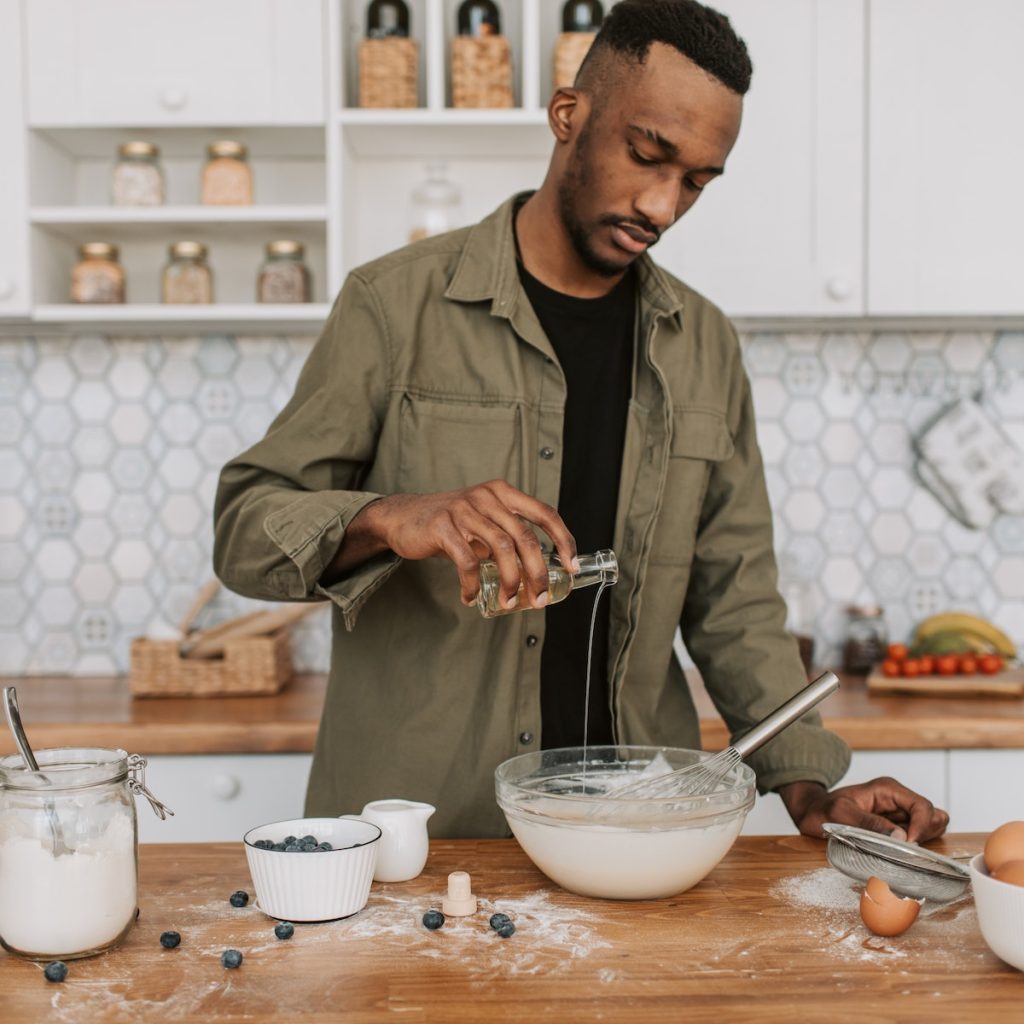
{"x":693,"y":186}
{"x":643,"y":161}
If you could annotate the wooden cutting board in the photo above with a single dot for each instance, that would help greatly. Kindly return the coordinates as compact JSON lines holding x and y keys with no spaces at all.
{"x":1008,"y":683}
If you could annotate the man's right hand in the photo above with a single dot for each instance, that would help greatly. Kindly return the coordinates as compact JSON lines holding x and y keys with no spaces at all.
{"x":488,"y":520}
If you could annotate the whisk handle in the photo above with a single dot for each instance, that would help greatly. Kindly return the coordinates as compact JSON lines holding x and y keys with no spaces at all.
{"x":788,"y":713}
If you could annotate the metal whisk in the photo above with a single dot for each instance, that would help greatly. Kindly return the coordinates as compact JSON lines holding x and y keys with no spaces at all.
{"x":706,"y":776}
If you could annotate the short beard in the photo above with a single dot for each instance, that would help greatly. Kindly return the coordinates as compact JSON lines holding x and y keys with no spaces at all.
{"x":576,"y":181}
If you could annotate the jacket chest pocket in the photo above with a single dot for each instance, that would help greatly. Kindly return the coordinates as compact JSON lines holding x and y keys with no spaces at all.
{"x":446,"y":446}
{"x":700,"y":439}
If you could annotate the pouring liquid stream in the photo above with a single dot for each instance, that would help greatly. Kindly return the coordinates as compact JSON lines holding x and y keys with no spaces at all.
{"x":602,"y":587}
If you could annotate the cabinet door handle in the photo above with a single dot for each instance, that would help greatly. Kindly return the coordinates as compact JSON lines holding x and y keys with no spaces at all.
{"x":173,"y":99}
{"x":6,"y":288}
{"x":225,"y":786}
{"x":839,"y":288}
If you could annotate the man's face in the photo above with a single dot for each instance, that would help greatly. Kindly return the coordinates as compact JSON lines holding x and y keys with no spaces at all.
{"x":642,"y":157}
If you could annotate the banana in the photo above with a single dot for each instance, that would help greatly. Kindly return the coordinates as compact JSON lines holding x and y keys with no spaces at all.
{"x":947,"y":641}
{"x":976,"y":633}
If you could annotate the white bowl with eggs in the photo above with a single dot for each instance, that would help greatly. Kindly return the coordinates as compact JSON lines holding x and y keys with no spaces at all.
{"x":560,"y":805}
{"x":325,"y":886}
{"x":1000,"y":907}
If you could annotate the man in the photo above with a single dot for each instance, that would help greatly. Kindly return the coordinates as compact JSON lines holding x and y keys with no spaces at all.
{"x":468,"y":386}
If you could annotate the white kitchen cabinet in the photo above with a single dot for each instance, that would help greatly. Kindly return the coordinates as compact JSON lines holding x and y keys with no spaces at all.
{"x":946,"y":158}
{"x":14,"y":273}
{"x":217,"y":798}
{"x":781,"y":233}
{"x":165,"y":62}
{"x":924,"y":771}
{"x":985,"y":789}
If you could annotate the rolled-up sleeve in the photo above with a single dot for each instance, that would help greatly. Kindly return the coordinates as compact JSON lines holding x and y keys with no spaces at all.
{"x":283,"y":506}
{"x":733,"y":620}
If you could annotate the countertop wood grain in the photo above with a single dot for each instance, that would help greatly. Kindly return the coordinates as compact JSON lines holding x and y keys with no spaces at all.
{"x":770,"y":937}
{"x":101,"y":712}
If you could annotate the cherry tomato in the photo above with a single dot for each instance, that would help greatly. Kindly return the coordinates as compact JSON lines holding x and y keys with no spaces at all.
{"x":911,"y":667}
{"x":896,"y":652}
{"x":947,"y":664}
{"x":926,"y":665}
{"x":890,"y":668}
{"x":990,"y":664}
{"x":968,"y":665}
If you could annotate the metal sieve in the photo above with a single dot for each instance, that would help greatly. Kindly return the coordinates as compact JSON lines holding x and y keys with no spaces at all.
{"x":908,"y":869}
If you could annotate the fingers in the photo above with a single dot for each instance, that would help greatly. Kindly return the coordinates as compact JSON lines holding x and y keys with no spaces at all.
{"x":544,"y":516}
{"x":455,"y":546}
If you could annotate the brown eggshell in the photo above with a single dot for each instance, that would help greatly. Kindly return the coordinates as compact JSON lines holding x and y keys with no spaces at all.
{"x":884,"y":912}
{"x":1012,"y":871}
{"x":1005,"y":844}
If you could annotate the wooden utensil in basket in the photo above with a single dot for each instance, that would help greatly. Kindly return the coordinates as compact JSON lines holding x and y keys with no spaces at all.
{"x":245,"y":656}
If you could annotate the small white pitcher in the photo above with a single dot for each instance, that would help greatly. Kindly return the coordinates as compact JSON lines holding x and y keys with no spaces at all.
{"x":402,"y":849}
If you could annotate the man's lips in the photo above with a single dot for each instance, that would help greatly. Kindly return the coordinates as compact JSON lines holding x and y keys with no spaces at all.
{"x":632,"y":238}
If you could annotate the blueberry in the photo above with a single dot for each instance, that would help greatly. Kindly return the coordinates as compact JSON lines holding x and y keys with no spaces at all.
{"x":279,"y":847}
{"x":506,"y":929}
{"x":170,"y":939}
{"x":433,"y":919}
{"x":231,"y":958}
{"x":289,"y":839}
{"x":239,"y":898}
{"x":284,"y":930}
{"x":308,"y":839}
{"x":497,"y":920}
{"x":265,"y":844}
{"x":292,"y":848}
{"x":324,"y":847}
{"x":56,"y":971}
{"x":307,"y":847}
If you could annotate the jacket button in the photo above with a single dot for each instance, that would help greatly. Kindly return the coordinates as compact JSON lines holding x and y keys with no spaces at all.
{"x":525,"y":737}
{"x":547,"y":453}
{"x":531,"y":641}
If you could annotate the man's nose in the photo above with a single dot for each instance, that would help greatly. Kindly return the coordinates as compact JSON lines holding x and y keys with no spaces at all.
{"x":660,"y":203}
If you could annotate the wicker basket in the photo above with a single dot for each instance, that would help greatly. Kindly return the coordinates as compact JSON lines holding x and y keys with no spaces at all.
{"x":481,"y":72}
{"x":570,"y":50}
{"x":251,"y":666}
{"x":387,"y":72}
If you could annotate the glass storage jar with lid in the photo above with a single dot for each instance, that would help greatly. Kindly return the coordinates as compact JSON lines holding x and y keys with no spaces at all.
{"x":68,"y":842}
{"x":227,"y":176}
{"x":187,"y":278}
{"x":138,"y":178}
{"x":284,"y":277}
{"x":97,"y":276}
{"x":436,"y":205}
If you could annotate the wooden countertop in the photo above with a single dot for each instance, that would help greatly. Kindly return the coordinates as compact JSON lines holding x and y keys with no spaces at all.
{"x":771,"y":936}
{"x":63,"y":711}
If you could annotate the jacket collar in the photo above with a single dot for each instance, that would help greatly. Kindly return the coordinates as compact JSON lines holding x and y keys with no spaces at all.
{"x":487,"y":269}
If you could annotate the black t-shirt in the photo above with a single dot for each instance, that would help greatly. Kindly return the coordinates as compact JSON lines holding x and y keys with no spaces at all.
{"x":593,"y":339}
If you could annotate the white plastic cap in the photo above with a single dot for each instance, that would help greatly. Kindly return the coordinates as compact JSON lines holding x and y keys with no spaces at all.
{"x":460,"y":901}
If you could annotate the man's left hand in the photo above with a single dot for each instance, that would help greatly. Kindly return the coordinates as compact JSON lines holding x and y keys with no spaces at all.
{"x":882,"y":805}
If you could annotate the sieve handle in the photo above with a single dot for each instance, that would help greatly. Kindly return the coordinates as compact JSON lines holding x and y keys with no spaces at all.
{"x":788,"y":713}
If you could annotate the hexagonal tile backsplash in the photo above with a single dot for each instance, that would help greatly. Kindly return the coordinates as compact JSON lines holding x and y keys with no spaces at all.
{"x":110,"y":450}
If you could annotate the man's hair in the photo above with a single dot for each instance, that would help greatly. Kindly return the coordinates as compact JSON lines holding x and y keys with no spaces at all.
{"x":697,"y":32}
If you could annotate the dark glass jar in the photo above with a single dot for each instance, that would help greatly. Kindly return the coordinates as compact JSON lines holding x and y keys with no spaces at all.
{"x":479,"y":18}
{"x":866,"y":638}
{"x":386,"y":18}
{"x":582,"y":16}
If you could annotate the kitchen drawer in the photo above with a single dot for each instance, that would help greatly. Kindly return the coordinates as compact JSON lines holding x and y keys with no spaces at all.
{"x":164,"y":62}
{"x":219,"y":797}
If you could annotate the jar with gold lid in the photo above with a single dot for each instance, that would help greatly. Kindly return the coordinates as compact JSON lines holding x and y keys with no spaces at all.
{"x":227,"y":176}
{"x":97,"y":277}
{"x":187,"y":278}
{"x":138,"y":178}
{"x":284,"y":276}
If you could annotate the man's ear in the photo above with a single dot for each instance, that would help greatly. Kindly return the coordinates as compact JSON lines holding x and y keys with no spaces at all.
{"x":567,"y":111}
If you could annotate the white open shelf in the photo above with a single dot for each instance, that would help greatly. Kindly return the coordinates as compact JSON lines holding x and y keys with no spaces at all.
{"x":222,"y":315}
{"x":145,"y":217}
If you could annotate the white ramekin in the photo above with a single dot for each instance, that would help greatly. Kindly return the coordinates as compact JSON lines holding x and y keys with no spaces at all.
{"x":1000,"y":913}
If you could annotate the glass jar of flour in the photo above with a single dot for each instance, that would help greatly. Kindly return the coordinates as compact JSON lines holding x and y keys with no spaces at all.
{"x":68,"y":840}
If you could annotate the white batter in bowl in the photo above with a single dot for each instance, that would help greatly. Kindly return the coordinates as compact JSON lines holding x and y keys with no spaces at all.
{"x":564,"y":812}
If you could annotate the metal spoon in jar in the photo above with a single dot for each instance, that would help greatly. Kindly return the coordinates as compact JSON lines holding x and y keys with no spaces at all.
{"x":18,"y":730}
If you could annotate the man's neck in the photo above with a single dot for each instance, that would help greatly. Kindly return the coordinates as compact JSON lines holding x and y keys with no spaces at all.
{"x":547,"y":251}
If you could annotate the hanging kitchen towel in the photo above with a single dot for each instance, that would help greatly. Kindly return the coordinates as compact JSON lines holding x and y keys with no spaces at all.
{"x":967,"y":462}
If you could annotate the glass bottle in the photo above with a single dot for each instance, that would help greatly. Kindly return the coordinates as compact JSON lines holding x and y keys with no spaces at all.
{"x":187,"y":277}
{"x":600,"y":567}
{"x":138,"y":179}
{"x":479,"y":18}
{"x":436,"y":204}
{"x":385,"y":18}
{"x":68,"y":841}
{"x":227,"y":176}
{"x":97,"y":276}
{"x":284,"y":277}
{"x":582,"y":16}
{"x":866,"y":638}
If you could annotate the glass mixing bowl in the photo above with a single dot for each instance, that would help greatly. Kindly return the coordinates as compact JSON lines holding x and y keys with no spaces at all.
{"x":564,"y":813}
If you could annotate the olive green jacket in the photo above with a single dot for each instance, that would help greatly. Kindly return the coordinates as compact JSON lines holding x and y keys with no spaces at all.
{"x":432,"y":373}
